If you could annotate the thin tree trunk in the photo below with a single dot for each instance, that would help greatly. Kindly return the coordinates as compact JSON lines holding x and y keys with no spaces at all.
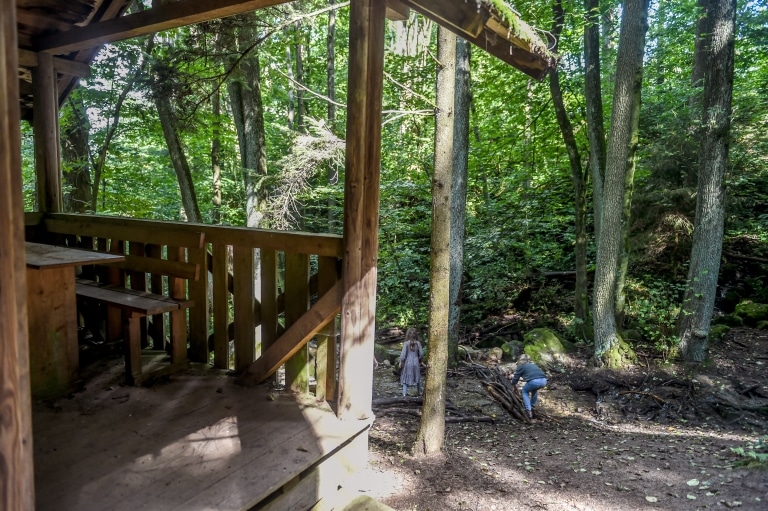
{"x":699,"y":300}
{"x":431,"y":433}
{"x":216,"y":155}
{"x":594,"y":103}
{"x":332,"y":173}
{"x":458,"y":196}
{"x":76,"y":170}
{"x":622,"y":143}
{"x":178,"y":158}
{"x":98,"y":165}
{"x":581,"y":301}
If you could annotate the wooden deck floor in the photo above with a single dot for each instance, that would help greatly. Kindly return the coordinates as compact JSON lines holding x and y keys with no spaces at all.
{"x":197,"y":442}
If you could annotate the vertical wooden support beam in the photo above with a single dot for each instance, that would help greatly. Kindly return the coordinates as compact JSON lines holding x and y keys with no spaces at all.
{"x":220,"y":307}
{"x":361,"y":207}
{"x":198,"y":315}
{"x":46,"y":130}
{"x":157,"y":327}
{"x":268,"y":298}
{"x":139,"y":282}
{"x":296,"y":304}
{"x":17,"y":489}
{"x":177,"y":288}
{"x":116,"y":277}
{"x":245,"y":326}
{"x":326,"y":338}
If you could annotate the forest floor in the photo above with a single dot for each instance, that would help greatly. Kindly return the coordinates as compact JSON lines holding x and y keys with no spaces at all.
{"x":652,"y":438}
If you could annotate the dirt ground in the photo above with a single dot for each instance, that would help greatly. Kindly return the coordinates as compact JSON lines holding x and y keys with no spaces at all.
{"x":656,"y":438}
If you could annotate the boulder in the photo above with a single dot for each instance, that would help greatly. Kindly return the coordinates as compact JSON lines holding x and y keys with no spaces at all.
{"x":547,"y":350}
{"x":752,"y":313}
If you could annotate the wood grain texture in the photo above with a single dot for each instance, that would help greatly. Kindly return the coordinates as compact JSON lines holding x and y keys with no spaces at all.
{"x":245,"y":326}
{"x":16,"y":468}
{"x":46,"y":130}
{"x":296,"y":304}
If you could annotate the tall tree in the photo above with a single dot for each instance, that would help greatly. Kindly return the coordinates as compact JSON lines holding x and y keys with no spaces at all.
{"x":429,"y":438}
{"x":161,"y":92}
{"x":245,"y":97}
{"x":458,"y":195}
{"x":620,"y":156}
{"x":74,"y":127}
{"x":581,"y":300}
{"x":701,"y":286}
{"x":216,"y":155}
{"x":593,"y":99}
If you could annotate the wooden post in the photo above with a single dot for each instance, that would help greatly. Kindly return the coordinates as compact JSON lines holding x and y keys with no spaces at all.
{"x":361,"y":208}
{"x":220,"y":307}
{"x":46,"y":130}
{"x":17,"y":489}
{"x":198,"y":315}
{"x":325,"y":360}
{"x":245,"y":326}
{"x":296,"y":304}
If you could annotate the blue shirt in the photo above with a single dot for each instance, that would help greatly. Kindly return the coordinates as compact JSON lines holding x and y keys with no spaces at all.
{"x":527,"y":372}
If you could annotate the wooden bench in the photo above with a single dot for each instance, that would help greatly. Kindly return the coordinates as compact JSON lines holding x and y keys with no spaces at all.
{"x":160,"y":261}
{"x":136,"y":305}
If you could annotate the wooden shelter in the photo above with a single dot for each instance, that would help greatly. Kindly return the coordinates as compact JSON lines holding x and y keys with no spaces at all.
{"x":200,"y":442}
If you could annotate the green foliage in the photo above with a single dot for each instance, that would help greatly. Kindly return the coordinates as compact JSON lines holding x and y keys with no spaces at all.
{"x":652,"y":308}
{"x":754,"y":454}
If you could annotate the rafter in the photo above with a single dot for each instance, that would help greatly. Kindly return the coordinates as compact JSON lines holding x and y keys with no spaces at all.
{"x":157,"y":19}
{"x":62,"y":66}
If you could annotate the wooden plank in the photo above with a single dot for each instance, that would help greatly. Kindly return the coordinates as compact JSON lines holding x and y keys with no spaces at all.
{"x":161,"y":233}
{"x":130,"y":299}
{"x":180,"y":269}
{"x":245,"y":327}
{"x":198,"y":316}
{"x":465,"y":17}
{"x":366,"y":61}
{"x":62,"y":66}
{"x":295,"y":337}
{"x":269,"y":309}
{"x":397,"y":11}
{"x":296,"y":304}
{"x":156,"y":328}
{"x":46,"y":130}
{"x":16,"y":464}
{"x":220,"y":306}
{"x":138,"y":281}
{"x":152,"y":231}
{"x":41,"y":256}
{"x":157,"y":19}
{"x":326,"y":337}
{"x":177,"y":289}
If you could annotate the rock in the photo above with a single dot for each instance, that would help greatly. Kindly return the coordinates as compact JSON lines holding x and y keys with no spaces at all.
{"x":547,"y":349}
{"x":512,"y":350}
{"x":752,"y":313}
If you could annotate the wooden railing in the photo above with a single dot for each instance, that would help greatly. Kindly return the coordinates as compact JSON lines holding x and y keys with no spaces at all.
{"x":268,"y":326}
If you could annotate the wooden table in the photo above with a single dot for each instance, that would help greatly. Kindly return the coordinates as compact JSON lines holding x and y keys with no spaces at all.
{"x":52,"y":314}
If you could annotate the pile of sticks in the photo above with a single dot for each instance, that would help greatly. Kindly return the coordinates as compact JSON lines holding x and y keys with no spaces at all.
{"x":501,"y":389}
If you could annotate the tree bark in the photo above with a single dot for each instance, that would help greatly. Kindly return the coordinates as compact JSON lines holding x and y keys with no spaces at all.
{"x":699,"y":300}
{"x":581,"y":301}
{"x":431,"y":433}
{"x":216,"y":155}
{"x":76,"y":167}
{"x":622,"y":143}
{"x":176,"y":153}
{"x":594,"y":103}
{"x":247,"y":110}
{"x":458,"y":195}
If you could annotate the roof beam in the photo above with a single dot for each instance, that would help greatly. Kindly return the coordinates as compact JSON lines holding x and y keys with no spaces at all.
{"x":157,"y":19}
{"x":397,"y":11}
{"x":62,"y":66}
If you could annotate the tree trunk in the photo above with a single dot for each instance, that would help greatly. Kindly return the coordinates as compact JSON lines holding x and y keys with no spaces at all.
{"x":699,"y":300}
{"x":581,"y":301}
{"x":216,"y":155}
{"x":76,"y":169}
{"x":178,"y":158}
{"x":245,"y":97}
{"x":594,"y":103}
{"x":429,"y":438}
{"x":458,"y":196}
{"x":98,"y":165}
{"x":622,"y":142}
{"x":332,"y":173}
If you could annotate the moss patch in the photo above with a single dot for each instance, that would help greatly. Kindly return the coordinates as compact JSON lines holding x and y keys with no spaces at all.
{"x":717,"y":332}
{"x":752,"y":313}
{"x":621,"y":355}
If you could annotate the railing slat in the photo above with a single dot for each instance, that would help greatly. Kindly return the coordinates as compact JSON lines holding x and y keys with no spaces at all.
{"x":245,"y":328}
{"x":220,"y":307}
{"x":158,"y":325}
{"x":296,"y":304}
{"x":268,"y":298}
{"x":326,"y":337}
{"x":198,"y":315}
